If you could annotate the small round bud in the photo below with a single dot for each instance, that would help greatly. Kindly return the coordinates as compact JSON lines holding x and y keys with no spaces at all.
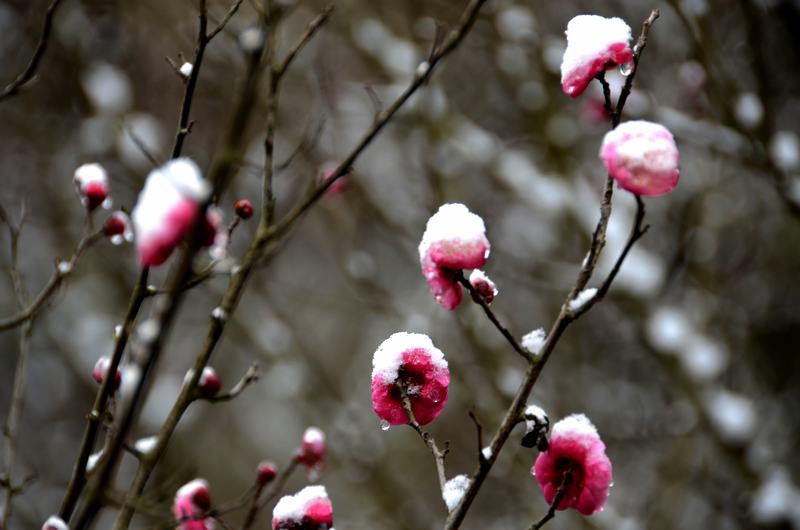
{"x":192,"y":502}
{"x":267,"y":471}
{"x":117,"y":228}
{"x":312,"y":451}
{"x":101,"y":369}
{"x":243,"y":208}
{"x":91,"y":183}
{"x":209,"y":383}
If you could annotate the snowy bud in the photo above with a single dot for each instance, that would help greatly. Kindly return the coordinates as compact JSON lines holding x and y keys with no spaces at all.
{"x":91,"y":183}
{"x":55,"y":522}
{"x":267,"y":471}
{"x":186,"y":69}
{"x":167,"y":208}
{"x":243,"y":209}
{"x":409,"y":361}
{"x":454,"y":490}
{"x":576,"y":460}
{"x":312,"y":450}
{"x":642,"y":157}
{"x":454,"y":239}
{"x":594,"y":44}
{"x":101,"y":369}
{"x":483,"y":285}
{"x":309,"y":509}
{"x":192,"y":501}
{"x":117,"y":228}
{"x":536,"y":426}
{"x":209,"y":383}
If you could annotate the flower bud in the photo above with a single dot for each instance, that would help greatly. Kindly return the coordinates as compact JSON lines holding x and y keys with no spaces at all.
{"x":209,"y":383}
{"x":118,"y":228}
{"x":309,"y":509}
{"x":267,"y":471}
{"x":91,"y":183}
{"x":192,"y":502}
{"x":483,"y":285}
{"x":243,"y":208}
{"x":101,"y":370}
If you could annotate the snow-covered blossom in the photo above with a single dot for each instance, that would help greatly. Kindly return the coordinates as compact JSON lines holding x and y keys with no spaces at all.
{"x":534,"y":341}
{"x":576,"y":459}
{"x":308,"y":509}
{"x":209,"y":383}
{"x":642,"y":157}
{"x":483,"y":284}
{"x":101,"y":369}
{"x":55,"y":522}
{"x":117,"y":228}
{"x":243,"y":209}
{"x":267,"y":471}
{"x":167,"y":208}
{"x":312,"y":450}
{"x":412,"y":361}
{"x":192,"y":501}
{"x":454,"y":490}
{"x":454,"y":239}
{"x":594,"y":44}
{"x":91,"y":183}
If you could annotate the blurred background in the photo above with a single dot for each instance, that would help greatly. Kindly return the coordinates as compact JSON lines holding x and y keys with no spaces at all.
{"x":689,"y":369}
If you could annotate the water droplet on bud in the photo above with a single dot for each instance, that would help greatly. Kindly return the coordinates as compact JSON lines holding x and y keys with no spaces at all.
{"x":626,"y":69}
{"x":385,"y":425}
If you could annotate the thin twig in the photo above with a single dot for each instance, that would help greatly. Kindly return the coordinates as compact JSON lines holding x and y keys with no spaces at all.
{"x":251,"y":376}
{"x":478,"y":299}
{"x":30,"y":70}
{"x":638,"y":48}
{"x":478,"y":435}
{"x":274,"y":490}
{"x":438,"y":454}
{"x":224,"y":22}
{"x":551,"y":512}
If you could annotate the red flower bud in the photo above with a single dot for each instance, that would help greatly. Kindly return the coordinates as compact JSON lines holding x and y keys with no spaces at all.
{"x":243,"y":208}
{"x":266,"y":473}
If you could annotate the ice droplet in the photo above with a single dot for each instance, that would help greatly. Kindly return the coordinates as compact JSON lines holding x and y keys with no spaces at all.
{"x":108,"y":203}
{"x":385,"y":425}
{"x":117,"y":239}
{"x":626,"y":69}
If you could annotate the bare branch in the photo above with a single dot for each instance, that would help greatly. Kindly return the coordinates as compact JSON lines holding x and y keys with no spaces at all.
{"x":224,"y":22}
{"x":30,"y":70}
{"x":560,"y":492}
{"x":251,"y":376}
{"x":438,"y":454}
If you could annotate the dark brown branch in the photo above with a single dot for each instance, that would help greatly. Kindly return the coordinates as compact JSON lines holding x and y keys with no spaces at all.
{"x":224,"y":22}
{"x":478,"y":299}
{"x":478,"y":435}
{"x":565,"y":317}
{"x":638,"y":48}
{"x":30,"y":70}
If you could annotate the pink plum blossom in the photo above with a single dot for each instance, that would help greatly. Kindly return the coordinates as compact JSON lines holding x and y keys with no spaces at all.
{"x":575,"y":460}
{"x":454,"y":239}
{"x":594,"y":44}
{"x":167,"y":208}
{"x":309,"y":509}
{"x":312,"y":450}
{"x":91,"y":183}
{"x":642,"y":157}
{"x":101,"y":370}
{"x":412,"y":361}
{"x":192,"y":502}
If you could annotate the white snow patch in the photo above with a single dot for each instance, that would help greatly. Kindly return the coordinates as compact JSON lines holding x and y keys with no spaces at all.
{"x":487,"y":452}
{"x":534,"y":341}
{"x":668,"y":329}
{"x":145,"y":445}
{"x":777,"y":499}
{"x":588,"y":37}
{"x":313,"y":435}
{"x":733,"y":415}
{"x":454,"y":490}
{"x":92,"y":461}
{"x":90,"y":173}
{"x":186,"y":69}
{"x":389,"y":355}
{"x":582,"y":299}
{"x":191,"y":487}
{"x":575,"y":427}
{"x":55,"y":522}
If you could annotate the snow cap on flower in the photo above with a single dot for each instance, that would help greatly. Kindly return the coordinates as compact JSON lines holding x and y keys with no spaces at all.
{"x":267,"y":471}
{"x":209,"y":383}
{"x":483,"y":284}
{"x":55,"y":522}
{"x":308,"y":509}
{"x":166,"y":209}
{"x":101,"y":369}
{"x":91,"y":182}
{"x":594,"y":44}
{"x":117,"y":228}
{"x":642,"y":157}
{"x":576,"y":454}
{"x":454,"y":239}
{"x":192,"y":501}
{"x":312,"y":450}
{"x":412,"y":361}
